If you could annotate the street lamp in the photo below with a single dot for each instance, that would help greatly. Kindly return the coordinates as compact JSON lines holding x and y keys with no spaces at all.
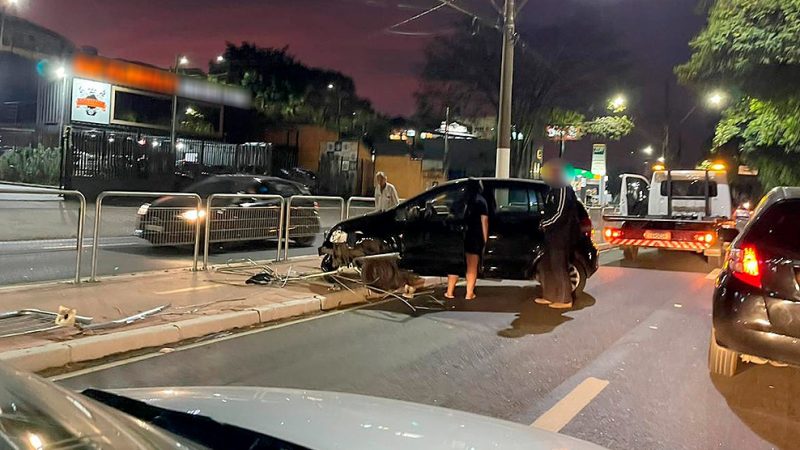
{"x":716,"y":99}
{"x":180,"y":60}
{"x":332,"y":86}
{"x":220,"y":59}
{"x":618,"y":103}
{"x":648,"y":150}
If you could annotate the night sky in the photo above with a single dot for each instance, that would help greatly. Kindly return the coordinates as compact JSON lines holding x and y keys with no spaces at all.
{"x":350,"y":36}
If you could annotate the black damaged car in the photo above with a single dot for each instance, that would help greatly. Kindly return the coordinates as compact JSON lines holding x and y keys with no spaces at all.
{"x":756,"y":312}
{"x":426,"y":232}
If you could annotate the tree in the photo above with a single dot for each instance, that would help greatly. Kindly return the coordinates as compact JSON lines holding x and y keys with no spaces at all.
{"x":287,"y":91}
{"x":752,"y":47}
{"x":559,"y":69}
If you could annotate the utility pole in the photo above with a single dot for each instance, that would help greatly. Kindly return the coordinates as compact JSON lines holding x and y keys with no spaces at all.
{"x":665,"y":144}
{"x":506,"y":79}
{"x":445,"y":162}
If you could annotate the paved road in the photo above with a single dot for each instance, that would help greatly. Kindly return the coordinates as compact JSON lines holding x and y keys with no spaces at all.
{"x":55,"y":259}
{"x":644,"y":330}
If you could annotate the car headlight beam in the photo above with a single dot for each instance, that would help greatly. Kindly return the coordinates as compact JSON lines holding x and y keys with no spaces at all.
{"x":193,"y":214}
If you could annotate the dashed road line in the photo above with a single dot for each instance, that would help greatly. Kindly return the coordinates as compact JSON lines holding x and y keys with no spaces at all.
{"x":557,"y":417}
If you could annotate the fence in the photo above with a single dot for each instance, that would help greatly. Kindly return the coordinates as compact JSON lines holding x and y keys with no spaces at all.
{"x":363,"y":206}
{"x":81,"y":217}
{"x":174,"y":224}
{"x":306,"y":218}
{"x":260,"y":218}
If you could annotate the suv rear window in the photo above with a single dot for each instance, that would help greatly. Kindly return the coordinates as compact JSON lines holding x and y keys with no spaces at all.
{"x":778,"y":227}
{"x":690,"y":188}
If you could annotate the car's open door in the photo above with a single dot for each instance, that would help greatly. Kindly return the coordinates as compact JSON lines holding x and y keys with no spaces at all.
{"x":432,"y":241}
{"x":633,"y":196}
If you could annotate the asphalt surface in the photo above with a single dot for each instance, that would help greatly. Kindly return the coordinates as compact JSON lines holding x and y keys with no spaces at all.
{"x":643,"y":329}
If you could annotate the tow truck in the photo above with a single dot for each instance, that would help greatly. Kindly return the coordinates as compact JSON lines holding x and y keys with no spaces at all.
{"x":680,"y":210}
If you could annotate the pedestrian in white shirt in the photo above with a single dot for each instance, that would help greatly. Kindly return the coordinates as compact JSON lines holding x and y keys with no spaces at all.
{"x":385,"y":193}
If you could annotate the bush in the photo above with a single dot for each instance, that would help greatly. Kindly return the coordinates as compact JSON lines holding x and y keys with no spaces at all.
{"x":37,"y":165}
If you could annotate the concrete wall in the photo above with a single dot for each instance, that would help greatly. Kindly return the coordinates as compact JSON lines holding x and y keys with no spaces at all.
{"x":403,"y":172}
{"x":307,"y":139}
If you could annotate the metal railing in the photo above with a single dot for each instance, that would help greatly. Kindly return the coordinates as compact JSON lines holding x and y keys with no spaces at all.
{"x":350,"y":209}
{"x":303,"y":217}
{"x":169,"y":225}
{"x":243,"y":221}
{"x":81,"y":217}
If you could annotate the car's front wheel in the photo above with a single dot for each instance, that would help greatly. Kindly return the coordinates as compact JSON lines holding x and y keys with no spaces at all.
{"x":721,"y":360}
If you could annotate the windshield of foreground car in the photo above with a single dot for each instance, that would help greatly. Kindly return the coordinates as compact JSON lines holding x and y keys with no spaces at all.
{"x":35,"y":414}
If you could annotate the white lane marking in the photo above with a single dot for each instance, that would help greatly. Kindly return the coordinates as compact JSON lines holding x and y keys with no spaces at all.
{"x":713,"y":274}
{"x":557,"y":417}
{"x":72,"y":247}
{"x":191,"y":289}
{"x":157,"y":353}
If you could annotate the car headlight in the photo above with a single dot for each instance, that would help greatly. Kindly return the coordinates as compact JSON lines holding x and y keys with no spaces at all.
{"x":338,"y":237}
{"x":143,"y":209}
{"x":193,"y":214}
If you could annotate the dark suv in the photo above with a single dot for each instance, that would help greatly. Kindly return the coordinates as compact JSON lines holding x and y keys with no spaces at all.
{"x":427,"y":233}
{"x":756,"y":311}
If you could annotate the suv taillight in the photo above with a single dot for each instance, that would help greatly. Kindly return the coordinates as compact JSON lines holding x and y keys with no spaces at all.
{"x":745,"y":265}
{"x":586,"y":227}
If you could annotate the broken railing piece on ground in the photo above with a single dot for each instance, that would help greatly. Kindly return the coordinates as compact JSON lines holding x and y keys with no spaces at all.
{"x":28,"y":321}
{"x":125,"y":320}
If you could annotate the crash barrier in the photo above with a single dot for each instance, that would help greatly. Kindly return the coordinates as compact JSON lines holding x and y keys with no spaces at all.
{"x":308,"y":216}
{"x":359,"y":206}
{"x":161,"y":225}
{"x":243,"y":217}
{"x":81,"y":217}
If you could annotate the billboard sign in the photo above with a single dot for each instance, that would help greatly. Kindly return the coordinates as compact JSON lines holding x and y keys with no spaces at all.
{"x":598,"y":159}
{"x":91,"y":101}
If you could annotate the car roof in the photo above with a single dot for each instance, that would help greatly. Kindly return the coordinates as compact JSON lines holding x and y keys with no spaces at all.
{"x":244,"y":176}
{"x":493,"y":179}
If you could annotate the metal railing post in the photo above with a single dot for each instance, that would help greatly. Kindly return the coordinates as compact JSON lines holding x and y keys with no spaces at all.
{"x":81,"y":225}
{"x":207,"y":243}
{"x":280,"y":228}
{"x":288,"y":227}
{"x":98,"y":207}
{"x":38,"y":190}
{"x":209,"y":219}
{"x":98,"y":222}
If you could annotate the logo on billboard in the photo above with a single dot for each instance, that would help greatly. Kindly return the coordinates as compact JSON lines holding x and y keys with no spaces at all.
{"x":91,"y":101}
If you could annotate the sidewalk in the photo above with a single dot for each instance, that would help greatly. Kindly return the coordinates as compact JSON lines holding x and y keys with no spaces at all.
{"x":200,"y":303}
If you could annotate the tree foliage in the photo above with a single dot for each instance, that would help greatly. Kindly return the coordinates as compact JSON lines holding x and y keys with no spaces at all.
{"x":556,"y":70}
{"x":752,"y":47}
{"x":286,"y":91}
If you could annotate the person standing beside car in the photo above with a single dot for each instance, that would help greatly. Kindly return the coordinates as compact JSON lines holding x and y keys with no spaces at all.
{"x":560,"y":226}
{"x":385,"y":193}
{"x":475,"y":237}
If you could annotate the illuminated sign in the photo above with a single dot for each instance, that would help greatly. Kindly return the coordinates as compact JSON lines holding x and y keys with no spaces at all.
{"x":598,"y":159}
{"x":91,"y":101}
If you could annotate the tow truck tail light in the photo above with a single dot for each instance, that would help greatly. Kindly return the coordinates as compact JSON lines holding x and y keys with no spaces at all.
{"x":745,"y":265}
{"x":611,"y":233}
{"x":705,"y":237}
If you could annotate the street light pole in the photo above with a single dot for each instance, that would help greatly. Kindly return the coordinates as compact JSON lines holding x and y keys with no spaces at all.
{"x":503,"y":160}
{"x":172,"y":132}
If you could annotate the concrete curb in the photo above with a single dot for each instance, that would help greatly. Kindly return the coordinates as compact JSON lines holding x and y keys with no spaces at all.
{"x":89,"y":348}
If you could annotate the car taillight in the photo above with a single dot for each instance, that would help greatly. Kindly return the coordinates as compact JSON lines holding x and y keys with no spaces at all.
{"x":745,"y":265}
{"x":611,"y":233}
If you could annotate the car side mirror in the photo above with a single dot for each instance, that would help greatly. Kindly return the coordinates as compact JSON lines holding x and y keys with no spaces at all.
{"x":728,"y":234}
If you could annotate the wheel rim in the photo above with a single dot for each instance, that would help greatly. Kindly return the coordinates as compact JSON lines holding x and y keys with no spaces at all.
{"x":574,"y":276}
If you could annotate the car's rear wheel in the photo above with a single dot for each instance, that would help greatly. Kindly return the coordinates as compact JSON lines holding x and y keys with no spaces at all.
{"x":577,"y":278}
{"x":630,"y":253}
{"x":721,"y":360}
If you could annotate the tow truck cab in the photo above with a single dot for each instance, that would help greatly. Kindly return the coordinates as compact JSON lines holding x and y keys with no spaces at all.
{"x":685,"y":210}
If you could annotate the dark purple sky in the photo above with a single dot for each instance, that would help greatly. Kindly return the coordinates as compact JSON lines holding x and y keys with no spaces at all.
{"x":350,"y":36}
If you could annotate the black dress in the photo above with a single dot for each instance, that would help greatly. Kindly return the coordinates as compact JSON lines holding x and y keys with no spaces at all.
{"x":560,"y":225}
{"x":473,"y":238}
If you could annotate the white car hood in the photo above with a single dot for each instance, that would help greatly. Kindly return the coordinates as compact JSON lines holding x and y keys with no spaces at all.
{"x":329,"y":420}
